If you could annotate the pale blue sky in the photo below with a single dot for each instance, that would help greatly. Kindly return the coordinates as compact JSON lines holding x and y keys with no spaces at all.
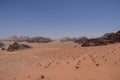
{"x":59,"y":18}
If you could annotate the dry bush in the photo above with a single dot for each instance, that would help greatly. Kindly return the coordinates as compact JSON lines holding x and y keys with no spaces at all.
{"x":77,"y":67}
{"x":97,"y":64}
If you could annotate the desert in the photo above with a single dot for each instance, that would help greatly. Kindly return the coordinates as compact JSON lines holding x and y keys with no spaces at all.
{"x":61,"y":61}
{"x":59,"y":39}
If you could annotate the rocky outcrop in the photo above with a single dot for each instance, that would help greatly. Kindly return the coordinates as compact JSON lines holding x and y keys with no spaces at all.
{"x":108,"y":38}
{"x":1,"y":44}
{"x":16,"y":46}
{"x":81,"y":40}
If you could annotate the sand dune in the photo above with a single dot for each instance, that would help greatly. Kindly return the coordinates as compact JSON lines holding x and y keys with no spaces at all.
{"x":61,"y":61}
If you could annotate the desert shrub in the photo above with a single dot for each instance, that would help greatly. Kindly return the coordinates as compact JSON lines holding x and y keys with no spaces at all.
{"x":68,"y":62}
{"x":45,"y":66}
{"x":78,"y":63}
{"x":97,"y":64}
{"x":42,"y":77}
{"x":77,"y":67}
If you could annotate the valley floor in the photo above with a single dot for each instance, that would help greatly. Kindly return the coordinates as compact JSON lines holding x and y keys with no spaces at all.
{"x":61,"y":61}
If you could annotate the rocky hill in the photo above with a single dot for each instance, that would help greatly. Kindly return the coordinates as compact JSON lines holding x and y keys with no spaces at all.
{"x":108,"y":38}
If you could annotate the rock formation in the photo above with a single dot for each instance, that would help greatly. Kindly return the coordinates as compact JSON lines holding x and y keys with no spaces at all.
{"x":16,"y":46}
{"x":108,"y":38}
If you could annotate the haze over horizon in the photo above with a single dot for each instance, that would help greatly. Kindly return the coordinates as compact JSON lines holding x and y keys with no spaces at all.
{"x":59,"y":18}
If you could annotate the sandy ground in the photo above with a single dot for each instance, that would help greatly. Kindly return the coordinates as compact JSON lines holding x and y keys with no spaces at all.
{"x":61,"y":61}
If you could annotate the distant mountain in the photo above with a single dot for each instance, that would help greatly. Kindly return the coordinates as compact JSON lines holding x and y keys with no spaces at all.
{"x":29,"y":39}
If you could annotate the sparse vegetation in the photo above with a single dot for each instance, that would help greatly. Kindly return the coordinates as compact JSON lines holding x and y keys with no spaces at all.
{"x":29,"y":76}
{"x":105,"y":60}
{"x":52,"y":61}
{"x":97,"y":64}
{"x":78,"y":63}
{"x":68,"y":62}
{"x":77,"y":67}
{"x":49,"y":64}
{"x":39,"y":64}
{"x":42,"y":77}
{"x":103,"y":56}
{"x":59,"y":56}
{"x":115,"y":62}
{"x":46,"y":66}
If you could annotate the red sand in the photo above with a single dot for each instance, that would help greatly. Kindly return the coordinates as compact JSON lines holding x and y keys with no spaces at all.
{"x":58,"y":61}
